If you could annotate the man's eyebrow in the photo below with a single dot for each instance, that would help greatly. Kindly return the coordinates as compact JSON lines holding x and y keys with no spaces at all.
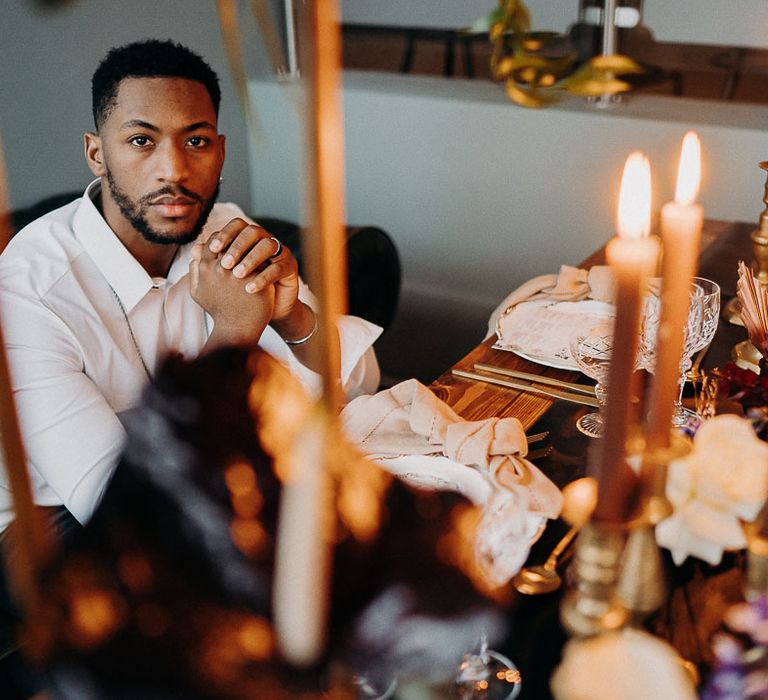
{"x":138,"y":123}
{"x":141,"y":124}
{"x":199,"y":125}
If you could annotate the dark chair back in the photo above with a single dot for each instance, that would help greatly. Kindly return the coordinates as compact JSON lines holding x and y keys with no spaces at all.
{"x":373,"y":267}
{"x":21,"y":217}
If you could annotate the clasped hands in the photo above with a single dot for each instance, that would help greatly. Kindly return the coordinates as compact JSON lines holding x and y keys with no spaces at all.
{"x":245,"y":280}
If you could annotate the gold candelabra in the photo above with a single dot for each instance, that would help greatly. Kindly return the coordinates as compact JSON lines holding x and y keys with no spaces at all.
{"x":759,"y":238}
{"x":756,"y":575}
{"x":592,"y":606}
{"x":617,"y":571}
{"x":744,"y":353}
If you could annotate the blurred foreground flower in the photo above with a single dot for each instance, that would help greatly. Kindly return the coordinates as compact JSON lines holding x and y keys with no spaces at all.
{"x":721,"y":483}
{"x":618,"y":665}
{"x":741,"y":655}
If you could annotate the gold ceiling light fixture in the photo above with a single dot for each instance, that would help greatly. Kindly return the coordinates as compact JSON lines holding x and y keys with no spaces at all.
{"x":535,"y":66}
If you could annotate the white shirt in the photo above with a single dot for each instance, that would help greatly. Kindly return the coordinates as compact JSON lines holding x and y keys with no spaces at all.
{"x":74,"y":364}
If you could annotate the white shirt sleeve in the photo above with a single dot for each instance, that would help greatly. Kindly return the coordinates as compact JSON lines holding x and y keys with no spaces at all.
{"x":72,"y":436}
{"x":359,"y":368}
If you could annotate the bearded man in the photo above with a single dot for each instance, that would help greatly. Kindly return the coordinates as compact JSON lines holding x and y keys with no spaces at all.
{"x":94,"y":295}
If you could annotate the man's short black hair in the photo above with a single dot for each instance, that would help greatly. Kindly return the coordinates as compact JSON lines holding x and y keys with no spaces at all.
{"x":152,"y":58}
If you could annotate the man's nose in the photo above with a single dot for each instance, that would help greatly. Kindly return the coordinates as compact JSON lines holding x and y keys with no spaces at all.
{"x":173,"y":165}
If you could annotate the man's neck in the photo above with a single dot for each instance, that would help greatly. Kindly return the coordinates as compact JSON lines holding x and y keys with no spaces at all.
{"x":155,"y":258}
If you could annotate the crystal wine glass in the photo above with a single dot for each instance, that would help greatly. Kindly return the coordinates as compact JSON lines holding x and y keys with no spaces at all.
{"x":703,"y":317}
{"x":485,"y":674}
{"x":700,"y":327}
{"x":592,"y":353}
{"x":649,"y":330}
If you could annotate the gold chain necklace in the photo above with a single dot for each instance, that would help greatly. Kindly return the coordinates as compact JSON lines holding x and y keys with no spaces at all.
{"x":133,"y":336}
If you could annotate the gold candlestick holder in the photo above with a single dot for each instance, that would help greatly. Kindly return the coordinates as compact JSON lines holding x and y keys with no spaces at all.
{"x":654,"y":505}
{"x":759,"y":238}
{"x":756,"y":585}
{"x":642,"y":584}
{"x":641,"y":587}
{"x":591,"y":606}
{"x":756,"y":578}
{"x":617,"y":572}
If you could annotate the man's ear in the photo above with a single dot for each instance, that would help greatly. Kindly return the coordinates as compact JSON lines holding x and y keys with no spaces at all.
{"x":94,"y":155}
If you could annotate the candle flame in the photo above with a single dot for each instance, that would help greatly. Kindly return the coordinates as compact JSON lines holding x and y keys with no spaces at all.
{"x":689,"y":170}
{"x":634,"y":217}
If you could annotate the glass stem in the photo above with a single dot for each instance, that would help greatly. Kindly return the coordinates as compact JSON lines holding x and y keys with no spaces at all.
{"x":679,"y":417}
{"x":601,"y":394}
{"x":484,"y":645}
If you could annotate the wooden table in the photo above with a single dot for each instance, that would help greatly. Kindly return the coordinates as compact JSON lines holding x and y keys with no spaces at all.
{"x":699,"y":593}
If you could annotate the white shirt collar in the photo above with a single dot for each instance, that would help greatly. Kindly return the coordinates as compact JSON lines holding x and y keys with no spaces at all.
{"x":121,"y":270}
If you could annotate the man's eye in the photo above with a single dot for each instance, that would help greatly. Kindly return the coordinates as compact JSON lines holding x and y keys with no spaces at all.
{"x":139,"y":141}
{"x":198,"y":141}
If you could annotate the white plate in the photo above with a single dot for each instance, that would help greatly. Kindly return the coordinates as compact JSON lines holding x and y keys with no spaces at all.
{"x":540,"y":330}
{"x":555,"y":362}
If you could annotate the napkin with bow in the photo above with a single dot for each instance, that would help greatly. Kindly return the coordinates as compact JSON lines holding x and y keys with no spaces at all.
{"x":414,"y":435}
{"x":570,"y":284}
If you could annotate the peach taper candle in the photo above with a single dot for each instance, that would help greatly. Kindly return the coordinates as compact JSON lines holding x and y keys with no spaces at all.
{"x":681,"y":222}
{"x":632,"y":254}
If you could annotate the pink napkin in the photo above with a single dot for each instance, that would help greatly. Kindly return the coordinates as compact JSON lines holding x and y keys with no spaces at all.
{"x":409,"y":432}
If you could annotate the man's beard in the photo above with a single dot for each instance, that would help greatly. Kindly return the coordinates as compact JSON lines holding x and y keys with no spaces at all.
{"x":135,"y":212}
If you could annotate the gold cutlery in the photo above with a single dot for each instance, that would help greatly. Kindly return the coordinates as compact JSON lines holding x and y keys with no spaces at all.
{"x":537,"y":437}
{"x":517,"y":374}
{"x":522,"y":386}
{"x":535,"y":580}
{"x":541,"y":453}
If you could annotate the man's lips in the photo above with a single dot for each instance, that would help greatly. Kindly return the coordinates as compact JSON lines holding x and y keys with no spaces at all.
{"x":173,"y":207}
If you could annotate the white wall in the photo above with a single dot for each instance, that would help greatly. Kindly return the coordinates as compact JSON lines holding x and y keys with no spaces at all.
{"x":466,"y":181}
{"x":734,"y":23}
{"x":552,"y":15}
{"x":46,"y":62}
{"x":481,"y":195}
